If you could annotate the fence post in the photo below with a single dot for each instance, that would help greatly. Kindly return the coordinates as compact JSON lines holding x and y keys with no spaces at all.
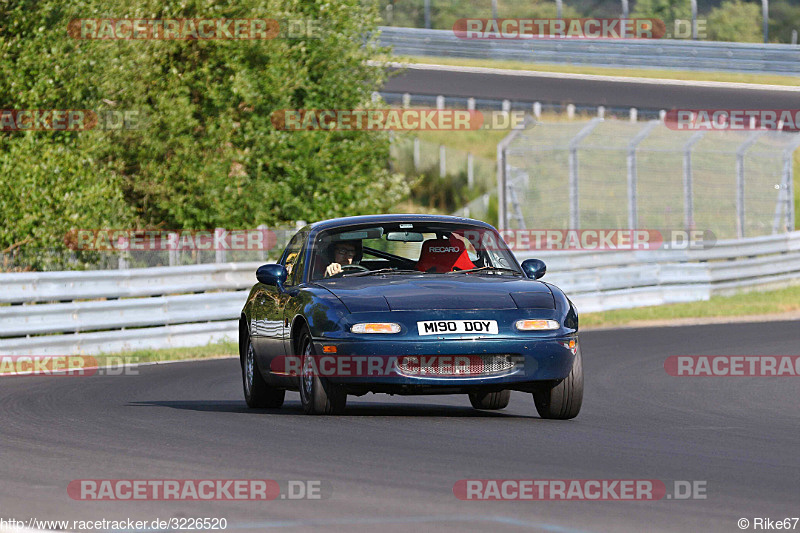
{"x":740,"y":231}
{"x":470,"y":171}
{"x":494,"y":9}
{"x":537,"y":110}
{"x":790,"y":214}
{"x":634,"y":114}
{"x":440,"y":102}
{"x":427,"y":8}
{"x":406,"y":100}
{"x":570,"y":111}
{"x":220,"y":240}
{"x":633,"y":211}
{"x":694,"y":19}
{"x":502,"y":177}
{"x":442,"y":161}
{"x":470,"y":104}
{"x":688,"y":192}
{"x":574,"y":204}
{"x":172,"y":254}
{"x":264,"y":230}
{"x":391,"y":146}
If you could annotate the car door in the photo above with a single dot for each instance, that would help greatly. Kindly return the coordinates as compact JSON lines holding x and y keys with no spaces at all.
{"x":270,"y":302}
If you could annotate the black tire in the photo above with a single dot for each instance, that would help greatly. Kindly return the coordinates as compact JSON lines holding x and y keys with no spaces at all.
{"x":490,"y":400}
{"x":318,"y":395}
{"x":562,"y":401}
{"x":257,"y":393}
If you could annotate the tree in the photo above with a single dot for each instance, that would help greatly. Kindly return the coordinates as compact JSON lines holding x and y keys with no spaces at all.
{"x":666,"y":10}
{"x":783,"y":18}
{"x":736,"y":21}
{"x":207,"y":154}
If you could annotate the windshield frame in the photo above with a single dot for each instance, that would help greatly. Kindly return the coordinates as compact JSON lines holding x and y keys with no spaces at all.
{"x":316,"y":245}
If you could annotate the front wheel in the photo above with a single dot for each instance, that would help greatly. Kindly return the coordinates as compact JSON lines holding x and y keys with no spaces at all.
{"x":490,"y":400}
{"x":257,"y":393}
{"x":318,"y":395}
{"x":562,"y":401}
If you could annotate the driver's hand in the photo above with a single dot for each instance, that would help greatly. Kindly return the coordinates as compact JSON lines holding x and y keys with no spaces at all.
{"x":333,"y":268}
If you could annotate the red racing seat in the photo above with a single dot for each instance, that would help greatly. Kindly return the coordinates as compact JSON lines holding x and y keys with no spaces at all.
{"x":444,"y":255}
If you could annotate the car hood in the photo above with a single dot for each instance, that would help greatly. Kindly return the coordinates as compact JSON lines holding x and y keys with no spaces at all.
{"x":457,"y":291}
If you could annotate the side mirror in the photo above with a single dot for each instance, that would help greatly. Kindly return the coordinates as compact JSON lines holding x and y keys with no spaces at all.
{"x":534,"y":268}
{"x":272,"y":275}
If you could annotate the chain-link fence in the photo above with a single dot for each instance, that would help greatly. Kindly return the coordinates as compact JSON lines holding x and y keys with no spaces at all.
{"x":603,"y":174}
{"x":441,"y":14}
{"x":104,"y":250}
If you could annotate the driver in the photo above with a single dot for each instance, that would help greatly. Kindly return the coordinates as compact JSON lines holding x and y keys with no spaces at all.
{"x":343,"y":253}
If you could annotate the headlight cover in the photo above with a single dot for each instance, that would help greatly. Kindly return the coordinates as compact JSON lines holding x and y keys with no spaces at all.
{"x":536,"y":325}
{"x":375,"y":327}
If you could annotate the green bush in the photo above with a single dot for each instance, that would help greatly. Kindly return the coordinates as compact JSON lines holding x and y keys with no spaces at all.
{"x":736,"y":21}
{"x":783,"y":18}
{"x":207,"y":154}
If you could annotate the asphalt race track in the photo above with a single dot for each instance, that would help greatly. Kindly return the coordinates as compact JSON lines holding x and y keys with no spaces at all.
{"x":548,"y":89}
{"x":392,"y":461}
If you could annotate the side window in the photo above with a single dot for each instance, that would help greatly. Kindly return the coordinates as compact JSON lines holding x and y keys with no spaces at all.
{"x":294,"y":259}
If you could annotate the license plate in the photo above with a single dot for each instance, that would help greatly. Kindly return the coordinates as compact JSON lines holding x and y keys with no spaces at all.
{"x":438,"y":327}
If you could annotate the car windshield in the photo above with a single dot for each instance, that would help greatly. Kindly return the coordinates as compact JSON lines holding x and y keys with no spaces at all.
{"x":430,"y":248}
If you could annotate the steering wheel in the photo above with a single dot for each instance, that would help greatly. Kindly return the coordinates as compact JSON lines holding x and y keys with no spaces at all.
{"x":352,"y":268}
{"x":357,"y":268}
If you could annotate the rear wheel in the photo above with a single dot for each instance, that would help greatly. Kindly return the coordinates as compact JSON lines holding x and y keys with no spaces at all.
{"x":490,"y":400}
{"x":318,"y":395}
{"x":562,"y":401}
{"x":257,"y":393}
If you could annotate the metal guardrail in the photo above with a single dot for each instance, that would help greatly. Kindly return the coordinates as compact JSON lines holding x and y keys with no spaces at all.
{"x":661,"y":53}
{"x":80,"y":323}
{"x":76,"y":317}
{"x":113,"y":341}
{"x":601,"y":281}
{"x":91,"y":284}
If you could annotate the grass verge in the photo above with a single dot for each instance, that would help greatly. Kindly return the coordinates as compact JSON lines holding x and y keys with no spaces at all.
{"x":173,"y":354}
{"x":684,"y":75}
{"x":116,"y":360}
{"x":740,"y":305}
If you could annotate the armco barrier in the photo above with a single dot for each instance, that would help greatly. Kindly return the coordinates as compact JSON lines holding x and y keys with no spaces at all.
{"x":93,"y":312}
{"x":658,"y":53}
{"x":600,"y":281}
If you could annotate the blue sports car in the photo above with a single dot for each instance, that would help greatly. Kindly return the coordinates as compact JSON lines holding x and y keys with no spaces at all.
{"x":408,"y":304}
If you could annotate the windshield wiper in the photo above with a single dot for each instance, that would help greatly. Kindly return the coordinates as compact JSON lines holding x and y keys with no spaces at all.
{"x":381,"y":271}
{"x":486,"y":269}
